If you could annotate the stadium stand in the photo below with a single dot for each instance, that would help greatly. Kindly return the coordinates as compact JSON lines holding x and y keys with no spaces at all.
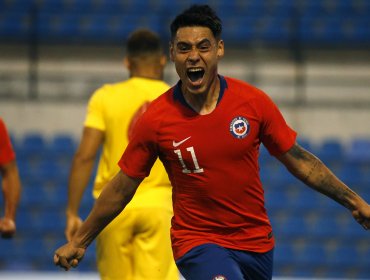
{"x":44,"y":165}
{"x":273,"y":22}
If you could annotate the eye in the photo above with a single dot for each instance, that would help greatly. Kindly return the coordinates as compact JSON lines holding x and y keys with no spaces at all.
{"x":183,"y":47}
{"x":205,"y":46}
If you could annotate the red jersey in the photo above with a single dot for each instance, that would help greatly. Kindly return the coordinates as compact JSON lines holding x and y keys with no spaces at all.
{"x":6,"y":151}
{"x":212,"y":162}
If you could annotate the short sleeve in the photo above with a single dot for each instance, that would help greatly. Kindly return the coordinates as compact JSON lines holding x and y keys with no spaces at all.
{"x":141,"y":152}
{"x":7,"y":153}
{"x":276,"y":134}
{"x":95,"y":111}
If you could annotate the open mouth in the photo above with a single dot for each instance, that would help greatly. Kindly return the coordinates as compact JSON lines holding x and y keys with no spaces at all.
{"x":195,"y":74}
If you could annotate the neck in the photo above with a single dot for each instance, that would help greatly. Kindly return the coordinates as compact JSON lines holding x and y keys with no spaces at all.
{"x":204,"y":103}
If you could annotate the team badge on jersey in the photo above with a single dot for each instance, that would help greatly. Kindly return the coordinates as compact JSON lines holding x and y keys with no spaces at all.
{"x":239,"y":127}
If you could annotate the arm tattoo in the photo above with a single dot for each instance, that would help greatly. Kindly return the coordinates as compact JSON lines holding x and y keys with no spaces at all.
{"x":309,"y":173}
{"x":320,"y":178}
{"x":298,"y":153}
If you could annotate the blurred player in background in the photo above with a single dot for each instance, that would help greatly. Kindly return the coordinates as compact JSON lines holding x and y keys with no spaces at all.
{"x":136,"y":244}
{"x":207,"y":130}
{"x":11,"y":183}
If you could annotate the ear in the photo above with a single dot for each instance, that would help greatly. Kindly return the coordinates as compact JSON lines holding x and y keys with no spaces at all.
{"x":126,"y":62}
{"x":163,"y":60}
{"x":220,"y":49}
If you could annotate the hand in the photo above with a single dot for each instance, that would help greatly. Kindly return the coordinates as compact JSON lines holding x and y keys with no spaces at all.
{"x":362,"y":215}
{"x":68,"y":256}
{"x":7,"y":227}
{"x":72,"y":225}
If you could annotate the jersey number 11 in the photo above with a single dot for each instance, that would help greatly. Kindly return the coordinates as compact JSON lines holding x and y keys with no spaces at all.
{"x":195,"y":161}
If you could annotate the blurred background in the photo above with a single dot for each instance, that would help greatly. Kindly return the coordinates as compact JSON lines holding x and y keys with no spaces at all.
{"x":311,"y":56}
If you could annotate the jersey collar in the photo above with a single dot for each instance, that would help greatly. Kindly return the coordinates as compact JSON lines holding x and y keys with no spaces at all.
{"x":177,"y":93}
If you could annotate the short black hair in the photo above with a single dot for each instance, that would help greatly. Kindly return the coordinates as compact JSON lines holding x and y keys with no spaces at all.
{"x":198,"y":15}
{"x":143,"y":42}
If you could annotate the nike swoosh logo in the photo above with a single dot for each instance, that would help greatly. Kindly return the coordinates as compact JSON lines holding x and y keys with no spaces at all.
{"x":175,"y":144}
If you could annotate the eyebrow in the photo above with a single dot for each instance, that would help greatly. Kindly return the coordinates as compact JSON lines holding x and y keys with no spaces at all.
{"x":205,"y":40}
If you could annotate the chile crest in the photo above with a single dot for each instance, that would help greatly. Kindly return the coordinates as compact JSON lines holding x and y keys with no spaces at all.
{"x":239,"y":127}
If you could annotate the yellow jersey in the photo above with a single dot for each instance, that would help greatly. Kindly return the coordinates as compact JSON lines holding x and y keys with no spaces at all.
{"x":113,"y":108}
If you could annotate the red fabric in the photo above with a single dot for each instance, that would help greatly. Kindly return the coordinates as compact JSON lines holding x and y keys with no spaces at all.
{"x":6,"y":151}
{"x":217,"y":193}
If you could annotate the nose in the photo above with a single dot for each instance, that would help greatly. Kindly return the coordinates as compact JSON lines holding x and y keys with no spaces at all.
{"x":193,"y":55}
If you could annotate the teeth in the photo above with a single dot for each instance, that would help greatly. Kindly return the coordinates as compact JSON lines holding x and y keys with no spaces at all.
{"x":195,"y":69}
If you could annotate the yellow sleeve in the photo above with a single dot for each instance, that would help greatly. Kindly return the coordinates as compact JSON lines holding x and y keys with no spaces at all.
{"x":95,"y":110}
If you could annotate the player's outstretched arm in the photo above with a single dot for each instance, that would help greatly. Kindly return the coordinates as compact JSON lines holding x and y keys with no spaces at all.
{"x":313,"y":172}
{"x":79,"y":177}
{"x":114,"y":197}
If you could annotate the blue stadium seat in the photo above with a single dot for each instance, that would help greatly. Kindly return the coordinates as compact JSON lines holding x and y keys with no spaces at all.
{"x":321,"y":30}
{"x":352,"y":175}
{"x":330,"y":150}
{"x":41,"y":171}
{"x":64,"y":143}
{"x":30,"y":153}
{"x":358,"y":8}
{"x":359,"y":150}
{"x":12,"y":254}
{"x":355,"y":30}
{"x":303,"y":199}
{"x":9,"y":248}
{"x":56,"y":6}
{"x":33,"y":142}
{"x":153,"y":21}
{"x":103,"y":27}
{"x":275,"y":175}
{"x":326,"y":226}
{"x":53,"y":221}
{"x":14,"y":26}
{"x":275,"y":199}
{"x":284,"y":253}
{"x":61,"y":27}
{"x":292,"y":227}
{"x":56,"y":194}
{"x":35,"y":248}
{"x":345,"y":256}
{"x":239,"y":28}
{"x":311,"y":256}
{"x":33,"y":194}
{"x":16,"y":6}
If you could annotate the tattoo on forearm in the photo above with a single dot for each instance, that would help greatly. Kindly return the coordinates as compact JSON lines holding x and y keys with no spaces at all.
{"x":340,"y":193}
{"x":297,"y":152}
{"x":300,"y":154}
{"x":312,"y":169}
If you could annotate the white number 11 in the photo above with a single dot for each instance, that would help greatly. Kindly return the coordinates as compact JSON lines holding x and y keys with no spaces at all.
{"x":195,"y":161}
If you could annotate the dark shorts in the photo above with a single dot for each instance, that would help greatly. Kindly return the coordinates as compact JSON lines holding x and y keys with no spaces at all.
{"x":213,"y":262}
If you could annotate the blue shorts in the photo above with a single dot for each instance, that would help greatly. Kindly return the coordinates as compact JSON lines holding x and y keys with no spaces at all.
{"x":213,"y":262}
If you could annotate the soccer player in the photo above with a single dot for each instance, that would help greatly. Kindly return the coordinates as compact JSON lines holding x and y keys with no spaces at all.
{"x":11,"y":183}
{"x":136,"y":245}
{"x":207,"y":130}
